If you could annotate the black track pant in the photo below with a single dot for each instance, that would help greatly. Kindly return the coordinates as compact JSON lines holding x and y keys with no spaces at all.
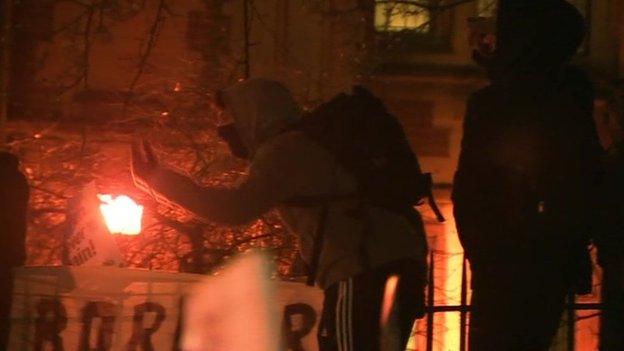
{"x":352,"y":307}
{"x":612,"y":318}
{"x":516,"y":306}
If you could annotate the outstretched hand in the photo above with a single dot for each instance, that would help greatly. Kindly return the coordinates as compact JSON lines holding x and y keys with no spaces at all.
{"x":143,"y":165}
{"x":165,"y":185}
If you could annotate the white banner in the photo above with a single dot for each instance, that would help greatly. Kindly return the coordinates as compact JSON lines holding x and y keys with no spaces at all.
{"x":110,"y":308}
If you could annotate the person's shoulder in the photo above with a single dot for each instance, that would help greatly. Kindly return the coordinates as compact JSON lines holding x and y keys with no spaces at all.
{"x":484,"y":101}
{"x":574,"y":82}
{"x":291,"y":141}
{"x":575,"y":74}
{"x":290,"y":148}
{"x":484,"y":94}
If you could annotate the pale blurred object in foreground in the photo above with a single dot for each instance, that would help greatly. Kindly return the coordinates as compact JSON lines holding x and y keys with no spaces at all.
{"x":234,"y":310}
{"x":388,"y":322}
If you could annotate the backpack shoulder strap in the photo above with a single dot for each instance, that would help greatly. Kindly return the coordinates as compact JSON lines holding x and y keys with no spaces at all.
{"x":317,"y":247}
{"x":431,"y":199}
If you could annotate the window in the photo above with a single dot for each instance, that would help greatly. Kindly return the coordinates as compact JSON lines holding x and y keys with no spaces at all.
{"x":486,"y":8}
{"x":405,"y":26}
{"x":393,"y":16}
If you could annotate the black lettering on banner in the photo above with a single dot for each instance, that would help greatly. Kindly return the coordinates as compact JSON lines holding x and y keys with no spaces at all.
{"x":292,"y":337}
{"x":105,"y":311}
{"x":84,"y":254}
{"x":51,"y":321}
{"x":141,"y":335}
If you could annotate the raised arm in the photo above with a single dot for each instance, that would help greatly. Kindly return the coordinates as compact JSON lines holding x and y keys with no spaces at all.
{"x":262,"y":189}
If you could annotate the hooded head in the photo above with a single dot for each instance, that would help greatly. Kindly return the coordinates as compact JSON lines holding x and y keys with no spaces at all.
{"x":8,"y":161}
{"x":535,"y":36}
{"x":261,"y":109}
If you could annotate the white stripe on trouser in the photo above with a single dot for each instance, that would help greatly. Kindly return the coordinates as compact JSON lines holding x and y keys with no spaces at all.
{"x":338,"y":312}
{"x":344,"y":315}
{"x":350,"y":313}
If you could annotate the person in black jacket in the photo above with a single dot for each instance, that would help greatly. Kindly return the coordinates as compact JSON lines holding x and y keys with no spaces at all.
{"x":525,"y":178}
{"x":14,"y":193}
{"x":610,"y":242}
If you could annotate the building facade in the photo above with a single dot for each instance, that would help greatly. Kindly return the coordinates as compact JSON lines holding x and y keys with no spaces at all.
{"x":88,"y":60}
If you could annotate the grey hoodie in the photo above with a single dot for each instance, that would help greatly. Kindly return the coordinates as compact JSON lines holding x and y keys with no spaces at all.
{"x":286,"y":164}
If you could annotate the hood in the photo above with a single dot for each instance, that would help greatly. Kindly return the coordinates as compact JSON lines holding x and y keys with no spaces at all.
{"x":536,"y":36}
{"x":261,"y":109}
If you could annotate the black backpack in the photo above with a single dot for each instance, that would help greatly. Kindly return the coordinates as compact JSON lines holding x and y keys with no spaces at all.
{"x":369,"y":142}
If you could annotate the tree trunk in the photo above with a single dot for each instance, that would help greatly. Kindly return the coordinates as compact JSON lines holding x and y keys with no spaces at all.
{"x":6,"y":45}
{"x":620,"y":37}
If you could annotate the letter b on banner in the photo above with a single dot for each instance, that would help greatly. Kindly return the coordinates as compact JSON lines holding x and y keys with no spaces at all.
{"x":51,"y":321}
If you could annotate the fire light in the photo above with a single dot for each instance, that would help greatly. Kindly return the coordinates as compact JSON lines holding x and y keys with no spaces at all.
{"x":121,"y":214}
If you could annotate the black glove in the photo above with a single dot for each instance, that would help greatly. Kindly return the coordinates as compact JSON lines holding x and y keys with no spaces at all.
{"x":165,"y":185}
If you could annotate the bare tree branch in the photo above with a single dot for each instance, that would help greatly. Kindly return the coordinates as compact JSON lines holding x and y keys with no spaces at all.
{"x":49,"y":192}
{"x":71,"y":23}
{"x":153,"y":33}
{"x":87,"y":46}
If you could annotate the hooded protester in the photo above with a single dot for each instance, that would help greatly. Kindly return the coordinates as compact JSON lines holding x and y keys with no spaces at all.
{"x":526,"y":174}
{"x":14,"y":195}
{"x":285,"y":164}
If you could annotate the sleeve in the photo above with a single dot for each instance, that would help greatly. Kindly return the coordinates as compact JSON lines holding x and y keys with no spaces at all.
{"x":15,"y":219}
{"x":586,"y":188}
{"x":269,"y":182}
{"x":469,"y":216}
{"x":461,"y":180}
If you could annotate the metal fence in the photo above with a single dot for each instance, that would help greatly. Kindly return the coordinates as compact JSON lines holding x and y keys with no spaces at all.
{"x":464,"y":309}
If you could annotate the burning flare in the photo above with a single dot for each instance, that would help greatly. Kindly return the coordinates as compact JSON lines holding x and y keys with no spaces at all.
{"x":121,"y":214}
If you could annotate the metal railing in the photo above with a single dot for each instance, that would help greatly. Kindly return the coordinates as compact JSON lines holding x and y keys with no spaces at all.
{"x":464,"y":309}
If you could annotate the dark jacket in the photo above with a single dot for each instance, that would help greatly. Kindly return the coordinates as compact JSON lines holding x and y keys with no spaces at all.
{"x":530,"y":152}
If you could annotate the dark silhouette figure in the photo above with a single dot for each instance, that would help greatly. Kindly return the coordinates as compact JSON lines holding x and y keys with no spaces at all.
{"x":610,"y":242}
{"x":14,"y":194}
{"x":525,"y":178}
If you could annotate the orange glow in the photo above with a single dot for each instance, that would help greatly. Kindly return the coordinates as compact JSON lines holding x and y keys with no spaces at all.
{"x":443,"y":240}
{"x":121,"y":214}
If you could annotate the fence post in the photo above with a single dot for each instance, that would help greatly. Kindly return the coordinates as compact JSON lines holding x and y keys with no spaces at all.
{"x":571,"y":322}
{"x":430,"y":302}
{"x":464,"y":306}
